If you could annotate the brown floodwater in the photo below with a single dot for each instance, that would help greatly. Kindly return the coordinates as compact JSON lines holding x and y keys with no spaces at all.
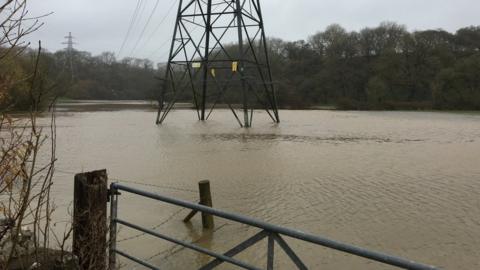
{"x":404,"y":183}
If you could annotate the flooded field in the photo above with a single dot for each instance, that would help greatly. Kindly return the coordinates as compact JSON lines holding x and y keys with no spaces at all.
{"x":405,"y":183}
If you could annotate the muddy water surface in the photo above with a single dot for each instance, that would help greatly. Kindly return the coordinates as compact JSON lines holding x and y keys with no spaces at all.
{"x":405,"y":183}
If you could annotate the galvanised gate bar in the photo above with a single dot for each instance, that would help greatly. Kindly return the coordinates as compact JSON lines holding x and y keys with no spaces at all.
{"x":272,"y":232}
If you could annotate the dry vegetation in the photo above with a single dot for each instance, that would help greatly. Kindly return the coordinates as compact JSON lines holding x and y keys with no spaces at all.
{"x":27,"y":153}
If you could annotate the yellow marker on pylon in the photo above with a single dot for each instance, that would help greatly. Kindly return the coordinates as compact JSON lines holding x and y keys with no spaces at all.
{"x":234,"y":66}
{"x":213,"y":72}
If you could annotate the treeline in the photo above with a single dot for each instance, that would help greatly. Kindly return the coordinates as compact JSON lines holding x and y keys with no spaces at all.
{"x":103,"y":77}
{"x":385,"y":67}
{"x":75,"y":75}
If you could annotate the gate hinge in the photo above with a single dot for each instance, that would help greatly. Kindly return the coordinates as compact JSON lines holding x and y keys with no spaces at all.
{"x":110,"y":193}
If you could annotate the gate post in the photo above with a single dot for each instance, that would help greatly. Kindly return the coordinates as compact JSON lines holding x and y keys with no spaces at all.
{"x":90,"y":219}
{"x":112,"y":244}
{"x":206,"y":199}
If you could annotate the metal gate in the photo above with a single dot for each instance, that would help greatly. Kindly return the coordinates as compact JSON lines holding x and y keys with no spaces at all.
{"x":272,"y":232}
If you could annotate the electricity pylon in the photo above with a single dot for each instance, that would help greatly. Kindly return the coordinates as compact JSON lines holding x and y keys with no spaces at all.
{"x":219,"y":53}
{"x":70,"y":51}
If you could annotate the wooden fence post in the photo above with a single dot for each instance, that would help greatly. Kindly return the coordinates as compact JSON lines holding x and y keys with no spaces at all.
{"x":90,"y":219}
{"x":206,"y":199}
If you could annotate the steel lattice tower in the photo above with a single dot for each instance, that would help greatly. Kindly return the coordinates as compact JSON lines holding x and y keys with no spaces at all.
{"x":70,"y":51}
{"x":219,"y":55}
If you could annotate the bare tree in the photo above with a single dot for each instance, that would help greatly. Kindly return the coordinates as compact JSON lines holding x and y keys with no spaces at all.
{"x":15,"y":24}
{"x":27,"y":148}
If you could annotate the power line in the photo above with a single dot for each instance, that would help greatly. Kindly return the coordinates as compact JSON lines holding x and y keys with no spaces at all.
{"x":158,"y":27}
{"x":159,"y":48}
{"x":145,"y":27}
{"x":143,"y":6}
{"x":132,"y":21}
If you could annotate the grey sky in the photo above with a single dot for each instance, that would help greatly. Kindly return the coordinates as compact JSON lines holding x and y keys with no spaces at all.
{"x":100,"y":25}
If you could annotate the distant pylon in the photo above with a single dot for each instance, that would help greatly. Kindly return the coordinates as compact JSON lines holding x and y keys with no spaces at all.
{"x":225,"y":61}
{"x":70,"y":51}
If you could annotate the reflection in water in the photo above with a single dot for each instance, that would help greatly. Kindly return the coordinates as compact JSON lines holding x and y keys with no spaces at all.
{"x":400,"y":182}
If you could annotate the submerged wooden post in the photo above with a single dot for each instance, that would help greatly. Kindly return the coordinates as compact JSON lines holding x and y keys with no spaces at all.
{"x":90,"y":219}
{"x":206,"y":199}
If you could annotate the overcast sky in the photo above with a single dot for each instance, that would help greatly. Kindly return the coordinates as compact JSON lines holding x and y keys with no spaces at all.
{"x":101,"y":25}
